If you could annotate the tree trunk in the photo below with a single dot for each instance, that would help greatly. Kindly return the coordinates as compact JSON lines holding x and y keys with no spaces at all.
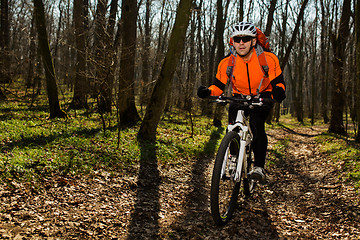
{"x":275,"y":112}
{"x":161,"y":42}
{"x":51,"y":87}
{"x":146,"y":76}
{"x":338,"y":94}
{"x":300,"y":76}
{"x":29,"y":82}
{"x":102,"y":84}
{"x":357,"y":35}
{"x":105,"y":95}
{"x":4,"y":42}
{"x":220,"y":27}
{"x":323,"y":62}
{"x":81,"y":86}
{"x":2,"y":95}
{"x":162,"y":87}
{"x":99,"y":53}
{"x":314,"y":70}
{"x":189,"y":85}
{"x":68,"y":60}
{"x":241,"y":10}
{"x":270,"y":18}
{"x":283,"y":31}
{"x":211,"y":73}
{"x":204,"y":106}
{"x":56,"y":45}
{"x":295,"y":32}
{"x":126,"y":96}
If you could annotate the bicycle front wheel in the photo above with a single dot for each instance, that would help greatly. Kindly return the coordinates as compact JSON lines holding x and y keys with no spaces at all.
{"x":224,"y":190}
{"x":249,"y":184}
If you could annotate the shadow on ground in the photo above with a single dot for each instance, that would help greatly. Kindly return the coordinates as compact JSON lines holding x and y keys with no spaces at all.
{"x":145,"y":215}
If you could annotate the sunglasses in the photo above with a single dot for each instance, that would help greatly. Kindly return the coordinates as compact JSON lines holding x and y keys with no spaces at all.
{"x":245,"y":39}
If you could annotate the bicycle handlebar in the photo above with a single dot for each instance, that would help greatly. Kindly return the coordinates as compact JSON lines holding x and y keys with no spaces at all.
{"x":246,"y":101}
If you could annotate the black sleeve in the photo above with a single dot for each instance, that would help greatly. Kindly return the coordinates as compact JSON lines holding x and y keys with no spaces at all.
{"x":277,"y":80}
{"x":219,"y":84}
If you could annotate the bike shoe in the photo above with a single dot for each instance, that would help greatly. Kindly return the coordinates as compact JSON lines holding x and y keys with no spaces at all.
{"x":258,"y":174}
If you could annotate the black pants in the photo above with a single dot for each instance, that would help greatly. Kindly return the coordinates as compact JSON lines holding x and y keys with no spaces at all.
{"x":257,"y":123}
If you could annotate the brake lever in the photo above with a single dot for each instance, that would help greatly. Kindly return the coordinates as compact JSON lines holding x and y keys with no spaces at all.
{"x":221,"y":102}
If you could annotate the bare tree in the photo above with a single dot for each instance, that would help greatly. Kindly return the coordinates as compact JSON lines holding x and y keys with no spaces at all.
{"x":32,"y":54}
{"x":4,"y":42}
{"x":81,"y":87}
{"x":300,"y":77}
{"x":146,"y":47}
{"x":314,"y":72}
{"x":104,"y":55}
{"x":270,"y":18}
{"x":338,"y":96}
{"x":220,"y":28}
{"x":241,"y":10}
{"x":51,"y":86}
{"x":295,"y":33}
{"x":323,"y":62}
{"x":357,"y":34}
{"x":126,"y":96}
{"x":99,"y":53}
{"x":106,"y":88}
{"x":58,"y":33}
{"x":176,"y":44}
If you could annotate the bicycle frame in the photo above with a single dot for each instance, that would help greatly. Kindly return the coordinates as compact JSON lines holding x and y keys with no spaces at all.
{"x":233,"y":160}
{"x":242,"y":127}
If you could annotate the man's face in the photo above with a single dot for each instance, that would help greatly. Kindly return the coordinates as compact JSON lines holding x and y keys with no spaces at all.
{"x":242,"y":44}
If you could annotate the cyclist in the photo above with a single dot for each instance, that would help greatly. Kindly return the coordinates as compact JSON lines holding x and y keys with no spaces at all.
{"x":247,"y":78}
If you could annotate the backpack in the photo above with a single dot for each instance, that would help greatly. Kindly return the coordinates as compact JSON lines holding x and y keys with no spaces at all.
{"x":261,"y":46}
{"x":262,"y":40}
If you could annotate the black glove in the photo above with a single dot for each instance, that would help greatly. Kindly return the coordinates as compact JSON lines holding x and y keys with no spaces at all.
{"x":278,"y":94}
{"x":203,"y":92}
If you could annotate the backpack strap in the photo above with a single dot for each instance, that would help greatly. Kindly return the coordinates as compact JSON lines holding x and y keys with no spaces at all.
{"x":263,"y":65}
{"x":262,"y":61}
{"x":230,"y":68}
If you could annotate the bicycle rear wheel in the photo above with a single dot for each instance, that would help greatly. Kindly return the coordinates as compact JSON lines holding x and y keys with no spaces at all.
{"x":224,"y":190}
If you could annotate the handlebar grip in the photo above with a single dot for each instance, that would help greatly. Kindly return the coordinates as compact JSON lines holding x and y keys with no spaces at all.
{"x":268,"y":100}
{"x":213,"y":97}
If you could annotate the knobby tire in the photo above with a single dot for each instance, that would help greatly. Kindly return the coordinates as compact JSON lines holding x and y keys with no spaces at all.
{"x":249,"y":184}
{"x":224,"y":190}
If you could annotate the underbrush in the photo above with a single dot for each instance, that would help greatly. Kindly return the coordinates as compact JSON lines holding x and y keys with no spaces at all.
{"x":34,"y":148}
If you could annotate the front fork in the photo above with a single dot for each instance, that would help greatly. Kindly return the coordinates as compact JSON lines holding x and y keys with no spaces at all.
{"x":241,"y":162}
{"x":245,"y":139}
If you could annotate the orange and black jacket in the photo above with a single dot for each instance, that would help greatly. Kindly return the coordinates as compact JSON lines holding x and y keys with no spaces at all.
{"x":248,"y":75}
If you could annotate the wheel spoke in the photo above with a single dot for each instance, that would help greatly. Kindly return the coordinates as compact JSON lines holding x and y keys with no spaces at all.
{"x":224,"y":191}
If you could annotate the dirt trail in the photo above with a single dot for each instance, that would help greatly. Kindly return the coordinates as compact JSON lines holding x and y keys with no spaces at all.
{"x":303,"y":200}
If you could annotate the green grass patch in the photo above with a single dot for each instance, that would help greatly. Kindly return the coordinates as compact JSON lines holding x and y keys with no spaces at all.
{"x":33,"y":147}
{"x":177,"y":140}
{"x":343,"y":152}
{"x":278,"y":151}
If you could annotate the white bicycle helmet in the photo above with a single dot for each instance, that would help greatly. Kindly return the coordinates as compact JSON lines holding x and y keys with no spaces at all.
{"x":243,"y":28}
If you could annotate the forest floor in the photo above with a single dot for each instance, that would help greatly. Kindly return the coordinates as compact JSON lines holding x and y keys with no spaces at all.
{"x":303,"y":199}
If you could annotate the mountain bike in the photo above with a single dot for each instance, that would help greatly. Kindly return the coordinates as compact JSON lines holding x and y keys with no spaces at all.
{"x":234,"y":161}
